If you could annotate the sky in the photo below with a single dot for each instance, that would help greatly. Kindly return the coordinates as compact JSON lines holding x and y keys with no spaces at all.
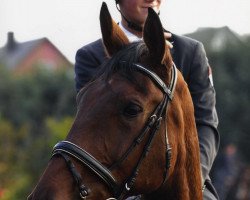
{"x":70,"y":24}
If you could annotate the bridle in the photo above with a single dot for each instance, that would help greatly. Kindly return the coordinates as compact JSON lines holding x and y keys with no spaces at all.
{"x":68,"y":149}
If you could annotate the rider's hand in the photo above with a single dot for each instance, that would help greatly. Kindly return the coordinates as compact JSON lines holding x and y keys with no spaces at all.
{"x":167,"y":36}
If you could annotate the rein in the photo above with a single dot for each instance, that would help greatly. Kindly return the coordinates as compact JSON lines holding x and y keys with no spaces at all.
{"x":66,"y":148}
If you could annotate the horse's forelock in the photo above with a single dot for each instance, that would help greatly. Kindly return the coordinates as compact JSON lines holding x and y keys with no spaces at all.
{"x":133,"y":53}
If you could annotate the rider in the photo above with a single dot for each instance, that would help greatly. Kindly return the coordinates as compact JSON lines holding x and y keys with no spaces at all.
{"x":190,"y":58}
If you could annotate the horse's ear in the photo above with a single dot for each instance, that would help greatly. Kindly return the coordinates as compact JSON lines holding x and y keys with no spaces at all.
{"x":153,"y":36}
{"x":114,"y":39}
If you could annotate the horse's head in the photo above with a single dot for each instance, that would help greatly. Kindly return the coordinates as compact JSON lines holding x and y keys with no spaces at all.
{"x":118,"y":143}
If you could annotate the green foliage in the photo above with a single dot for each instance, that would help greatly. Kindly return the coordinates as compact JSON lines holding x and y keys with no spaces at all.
{"x":232,"y":82}
{"x":12,"y":158}
{"x":36,"y":111}
{"x":22,"y":160}
{"x":58,"y":129}
{"x":33,"y":96}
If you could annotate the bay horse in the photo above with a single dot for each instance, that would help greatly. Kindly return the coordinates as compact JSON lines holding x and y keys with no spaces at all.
{"x":134,"y":131}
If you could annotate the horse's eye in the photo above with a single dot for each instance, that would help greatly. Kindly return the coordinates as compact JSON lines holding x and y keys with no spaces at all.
{"x":132,"y":110}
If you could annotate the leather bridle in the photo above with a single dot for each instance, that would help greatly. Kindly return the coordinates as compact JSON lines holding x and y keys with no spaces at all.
{"x":68,"y":149}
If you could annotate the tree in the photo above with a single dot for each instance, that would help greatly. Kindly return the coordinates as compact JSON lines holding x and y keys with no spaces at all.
{"x":36,"y":110}
{"x":232,"y":82}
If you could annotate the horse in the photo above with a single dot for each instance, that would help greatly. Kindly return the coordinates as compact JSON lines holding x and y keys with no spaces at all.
{"x":134,"y":132}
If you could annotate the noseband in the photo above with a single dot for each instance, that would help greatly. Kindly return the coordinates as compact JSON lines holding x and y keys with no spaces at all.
{"x":66,"y":148}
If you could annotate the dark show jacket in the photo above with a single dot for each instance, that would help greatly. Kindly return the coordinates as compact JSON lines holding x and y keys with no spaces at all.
{"x":190,"y":58}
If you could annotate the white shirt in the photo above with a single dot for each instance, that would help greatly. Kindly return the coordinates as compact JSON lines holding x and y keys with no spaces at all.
{"x":131,"y":37}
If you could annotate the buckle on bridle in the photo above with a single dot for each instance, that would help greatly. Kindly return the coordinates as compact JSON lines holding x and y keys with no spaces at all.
{"x":84,"y":192}
{"x":158,"y":123}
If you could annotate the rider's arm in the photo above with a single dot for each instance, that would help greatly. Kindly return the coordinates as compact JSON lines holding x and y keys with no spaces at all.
{"x":203,"y":95}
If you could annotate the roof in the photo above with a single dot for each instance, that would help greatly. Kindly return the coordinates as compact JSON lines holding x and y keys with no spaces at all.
{"x":216,"y":38}
{"x":11,"y":57}
{"x":14,"y":52}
